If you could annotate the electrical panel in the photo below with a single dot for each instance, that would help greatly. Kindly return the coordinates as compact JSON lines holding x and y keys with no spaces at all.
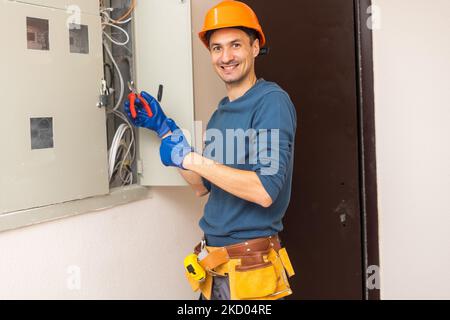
{"x":52,"y":136}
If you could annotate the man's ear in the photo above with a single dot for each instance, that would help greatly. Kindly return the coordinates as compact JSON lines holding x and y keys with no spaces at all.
{"x":256,"y":48}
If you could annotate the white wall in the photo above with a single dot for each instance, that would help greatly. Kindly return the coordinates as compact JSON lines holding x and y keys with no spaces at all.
{"x":412,"y":105}
{"x":134,"y":251}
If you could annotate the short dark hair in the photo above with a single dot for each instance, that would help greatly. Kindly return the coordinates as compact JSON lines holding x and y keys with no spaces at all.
{"x":252,"y":34}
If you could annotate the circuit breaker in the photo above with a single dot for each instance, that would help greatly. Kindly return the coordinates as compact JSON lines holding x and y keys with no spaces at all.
{"x":52,"y":134}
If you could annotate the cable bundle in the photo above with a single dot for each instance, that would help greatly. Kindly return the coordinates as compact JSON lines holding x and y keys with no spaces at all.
{"x":122,"y":152}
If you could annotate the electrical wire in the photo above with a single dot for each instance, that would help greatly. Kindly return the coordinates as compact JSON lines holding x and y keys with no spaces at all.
{"x":122,"y":152}
{"x":107,"y":17}
{"x":119,"y":156}
{"x":125,"y":21}
{"x":114,"y":148}
{"x":122,"y":84}
{"x":118,"y":160}
{"x":118,"y":28}
{"x":107,"y":22}
{"x":128,"y":13}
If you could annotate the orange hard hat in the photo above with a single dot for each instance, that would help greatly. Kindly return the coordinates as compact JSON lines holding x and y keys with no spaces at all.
{"x":229,"y":14}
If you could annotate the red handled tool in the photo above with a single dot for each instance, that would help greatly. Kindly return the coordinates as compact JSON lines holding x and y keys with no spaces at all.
{"x":135,"y":95}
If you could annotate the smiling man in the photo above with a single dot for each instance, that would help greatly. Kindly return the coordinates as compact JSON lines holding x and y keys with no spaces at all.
{"x":233,"y":52}
{"x":246,"y":165}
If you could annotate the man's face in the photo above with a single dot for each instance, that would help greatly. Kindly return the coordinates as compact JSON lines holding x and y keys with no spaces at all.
{"x":232,"y":54}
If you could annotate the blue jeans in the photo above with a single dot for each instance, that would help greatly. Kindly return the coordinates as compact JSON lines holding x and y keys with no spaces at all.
{"x":221,"y":289}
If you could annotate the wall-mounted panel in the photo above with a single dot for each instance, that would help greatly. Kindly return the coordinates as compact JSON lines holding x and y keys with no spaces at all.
{"x":52,"y":136}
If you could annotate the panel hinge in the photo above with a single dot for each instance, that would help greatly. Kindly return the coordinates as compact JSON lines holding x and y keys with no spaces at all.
{"x":140,"y":167}
{"x":104,"y":94}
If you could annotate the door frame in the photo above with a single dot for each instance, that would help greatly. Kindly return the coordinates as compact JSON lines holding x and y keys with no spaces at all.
{"x":367,"y":145}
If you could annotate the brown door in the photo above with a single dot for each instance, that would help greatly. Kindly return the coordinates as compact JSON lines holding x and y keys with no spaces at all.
{"x":313,"y":57}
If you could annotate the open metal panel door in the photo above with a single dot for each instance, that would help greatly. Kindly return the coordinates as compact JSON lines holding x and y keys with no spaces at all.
{"x":53,"y":136}
{"x":163,"y":58}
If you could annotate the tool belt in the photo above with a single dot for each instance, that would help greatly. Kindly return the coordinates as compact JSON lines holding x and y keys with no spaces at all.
{"x":258,"y":269}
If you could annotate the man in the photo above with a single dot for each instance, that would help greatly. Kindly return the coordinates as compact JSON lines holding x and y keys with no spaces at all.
{"x":249,"y":183}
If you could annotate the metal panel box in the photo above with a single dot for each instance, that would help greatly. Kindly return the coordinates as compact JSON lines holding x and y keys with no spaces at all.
{"x":52,"y":135}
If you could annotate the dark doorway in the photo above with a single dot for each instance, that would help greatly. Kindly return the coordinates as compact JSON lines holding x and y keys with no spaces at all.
{"x":315,"y":55}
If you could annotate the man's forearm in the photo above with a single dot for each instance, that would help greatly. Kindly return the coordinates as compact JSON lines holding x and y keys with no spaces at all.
{"x":195,"y":181}
{"x":242,"y":184}
{"x":192,"y":178}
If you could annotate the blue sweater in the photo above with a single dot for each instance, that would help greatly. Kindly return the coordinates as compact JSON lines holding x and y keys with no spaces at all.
{"x":255,"y":133}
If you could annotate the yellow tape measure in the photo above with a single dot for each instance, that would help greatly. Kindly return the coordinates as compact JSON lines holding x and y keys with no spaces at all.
{"x":194,"y":269}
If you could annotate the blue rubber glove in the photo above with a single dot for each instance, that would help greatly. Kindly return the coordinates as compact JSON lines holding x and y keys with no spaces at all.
{"x":156,"y":123}
{"x":175,"y":147}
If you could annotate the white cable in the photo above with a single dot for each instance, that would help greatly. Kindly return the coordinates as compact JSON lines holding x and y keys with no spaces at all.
{"x":124,"y":173}
{"x":114,"y":147}
{"x":120,"y":115}
{"x":119,"y":28}
{"x":109,"y":20}
{"x":116,"y":156}
{"x":126,"y":156}
{"x":122,"y":85}
{"x":124,"y":21}
{"x":114,"y":164}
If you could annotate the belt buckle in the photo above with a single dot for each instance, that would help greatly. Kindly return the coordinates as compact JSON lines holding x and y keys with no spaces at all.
{"x":203,"y":244}
{"x":203,"y":251}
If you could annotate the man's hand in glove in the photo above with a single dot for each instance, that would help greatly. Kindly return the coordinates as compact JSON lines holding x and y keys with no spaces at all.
{"x":175,"y":147}
{"x":157,"y":123}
